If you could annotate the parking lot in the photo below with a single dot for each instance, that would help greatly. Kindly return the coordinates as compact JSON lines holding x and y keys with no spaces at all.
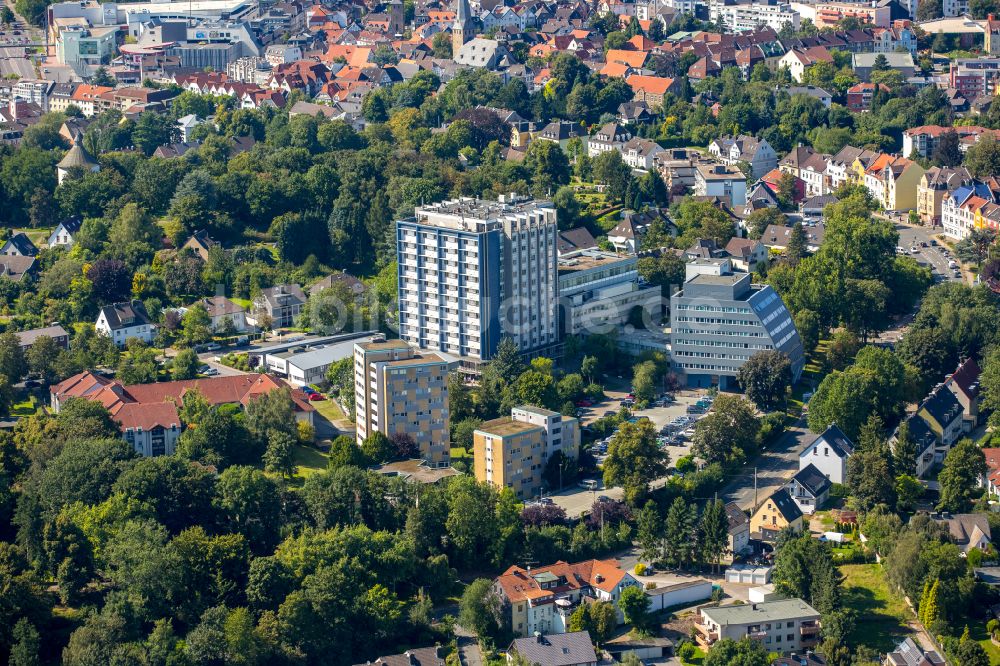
{"x":666,"y":416}
{"x":576,"y":500}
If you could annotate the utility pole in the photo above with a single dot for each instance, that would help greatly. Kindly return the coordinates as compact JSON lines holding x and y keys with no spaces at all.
{"x":754,"y":488}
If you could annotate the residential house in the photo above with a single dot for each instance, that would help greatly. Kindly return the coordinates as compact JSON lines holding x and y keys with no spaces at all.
{"x":562,"y":132}
{"x":859,"y":96}
{"x":967,"y":530}
{"x":944,"y":415}
{"x":960,"y":207}
{"x":123,"y":321}
{"x":626,"y":236}
{"x":339,"y":279}
{"x":924,"y":140}
{"x":829,"y":454}
{"x":574,"y":240}
{"x":220,"y":309}
{"x":924,"y":442}
{"x":718,"y":180}
{"x":147,"y":413}
{"x":19,"y":245}
{"x":775,"y":236}
{"x":16,"y":267}
{"x":798,"y":59}
{"x":775,"y":514}
{"x":746,"y":253}
{"x":200,"y":243}
{"x":815,"y":205}
{"x":758,"y":153}
{"x":64,"y":232}
{"x":611,"y":136}
{"x":542,"y":599}
{"x":56,"y":332}
{"x":781,"y":626}
{"x":427,"y":656}
{"x":991,"y":480}
{"x":572,"y":649}
{"x":281,"y":304}
{"x":907,"y":653}
{"x":964,"y":384}
{"x":809,"y":489}
{"x":738,"y":539}
{"x":840,"y":167}
{"x":186,"y":124}
{"x":651,"y":89}
{"x":825,"y":98}
{"x":810,"y":167}
{"x":640,"y":154}
{"x":933,"y":189}
{"x":634,"y":113}
{"x":678,"y":167}
{"x":891,"y":179}
{"x":991,"y":35}
{"x":808,"y":658}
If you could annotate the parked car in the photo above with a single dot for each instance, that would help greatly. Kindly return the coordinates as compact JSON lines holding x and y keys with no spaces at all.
{"x":308,"y":389}
{"x":584,"y":403}
{"x":213,"y":346}
{"x":316,"y":396}
{"x":211,"y":372}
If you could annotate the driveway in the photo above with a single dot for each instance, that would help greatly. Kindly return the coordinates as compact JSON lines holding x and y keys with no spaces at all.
{"x":773,"y":468}
{"x":468,"y":647}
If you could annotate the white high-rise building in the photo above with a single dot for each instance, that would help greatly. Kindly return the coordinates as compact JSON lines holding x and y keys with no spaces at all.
{"x":472,"y":272}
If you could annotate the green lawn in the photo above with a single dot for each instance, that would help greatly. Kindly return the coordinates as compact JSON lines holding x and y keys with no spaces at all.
{"x":27,"y":405}
{"x":696,"y":660}
{"x":308,"y":461}
{"x":977,"y":631}
{"x":244,"y":303}
{"x":329,"y":410}
{"x":882,"y":615}
{"x":458,"y":453}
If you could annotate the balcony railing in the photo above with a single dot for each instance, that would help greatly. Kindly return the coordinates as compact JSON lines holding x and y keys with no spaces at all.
{"x":809,"y":630}
{"x":706,"y":634}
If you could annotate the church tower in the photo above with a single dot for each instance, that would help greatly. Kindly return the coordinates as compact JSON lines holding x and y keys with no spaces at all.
{"x":396,"y":18}
{"x":461,"y":31}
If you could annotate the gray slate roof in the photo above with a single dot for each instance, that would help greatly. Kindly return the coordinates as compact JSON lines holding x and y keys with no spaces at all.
{"x":556,"y":649}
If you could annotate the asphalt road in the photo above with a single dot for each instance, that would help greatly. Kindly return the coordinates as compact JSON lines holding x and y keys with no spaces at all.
{"x":930,"y":255}
{"x":773,"y":468}
{"x":22,"y":68}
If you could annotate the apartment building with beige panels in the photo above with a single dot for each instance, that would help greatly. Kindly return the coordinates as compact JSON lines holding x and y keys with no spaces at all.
{"x":512,"y":451}
{"x":398,"y":389}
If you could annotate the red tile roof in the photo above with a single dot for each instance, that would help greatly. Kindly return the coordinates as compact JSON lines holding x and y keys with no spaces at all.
{"x":519,"y":584}
{"x":129,"y":403}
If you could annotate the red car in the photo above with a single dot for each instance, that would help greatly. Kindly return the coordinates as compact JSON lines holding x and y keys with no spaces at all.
{"x":316,"y":396}
{"x":584,"y":403}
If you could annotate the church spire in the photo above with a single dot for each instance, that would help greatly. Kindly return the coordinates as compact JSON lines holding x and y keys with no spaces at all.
{"x":461,"y":31}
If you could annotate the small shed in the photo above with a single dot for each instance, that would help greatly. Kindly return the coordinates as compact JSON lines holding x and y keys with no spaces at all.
{"x":763,"y":593}
{"x":649,"y":647}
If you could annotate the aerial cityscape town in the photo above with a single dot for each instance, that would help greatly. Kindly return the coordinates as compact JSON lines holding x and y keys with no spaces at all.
{"x":500,"y":332}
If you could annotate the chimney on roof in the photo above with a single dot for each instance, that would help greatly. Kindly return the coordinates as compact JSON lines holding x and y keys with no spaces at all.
{"x":538,"y":637}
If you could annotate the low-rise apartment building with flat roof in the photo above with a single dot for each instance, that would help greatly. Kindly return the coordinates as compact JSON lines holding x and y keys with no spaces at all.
{"x":788,"y":625}
{"x":511,"y":452}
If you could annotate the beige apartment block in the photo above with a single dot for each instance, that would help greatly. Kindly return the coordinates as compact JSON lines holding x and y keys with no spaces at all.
{"x":398,"y":389}
{"x":512,"y":451}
